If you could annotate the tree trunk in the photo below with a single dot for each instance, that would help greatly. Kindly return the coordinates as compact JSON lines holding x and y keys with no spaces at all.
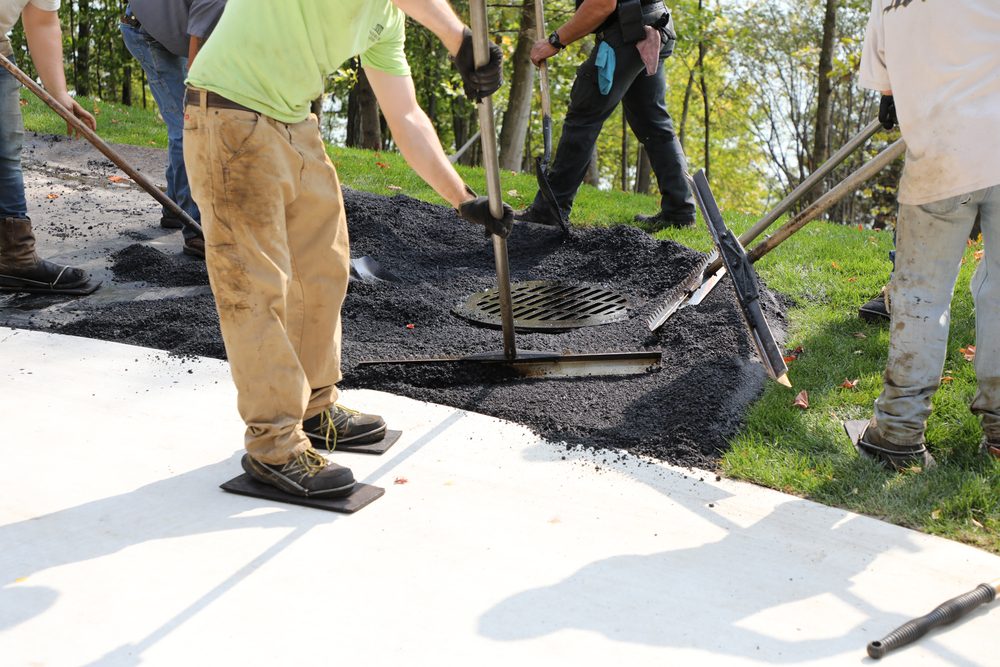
{"x":81,"y":71}
{"x":821,"y":140}
{"x":364,"y":129}
{"x":474,"y":156}
{"x":702,"y":49}
{"x":682,"y":135}
{"x":518,"y":112}
{"x":643,"y":172}
{"x":127,"y":86}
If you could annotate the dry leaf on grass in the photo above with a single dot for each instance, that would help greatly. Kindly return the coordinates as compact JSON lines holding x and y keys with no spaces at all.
{"x":976,"y":523}
{"x":936,"y":514}
{"x":381,"y":164}
{"x":946,"y":379}
{"x":979,"y":255}
{"x":802,"y":400}
{"x":835,"y":265}
{"x":393,"y":187}
{"x":849,"y":384}
{"x":858,"y":334}
{"x":968,"y":352}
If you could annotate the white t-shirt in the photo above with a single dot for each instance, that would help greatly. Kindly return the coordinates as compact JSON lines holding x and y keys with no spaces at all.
{"x":941,"y":60}
{"x":10,"y":12}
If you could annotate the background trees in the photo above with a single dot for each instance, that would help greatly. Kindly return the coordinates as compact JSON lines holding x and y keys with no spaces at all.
{"x":761,"y":92}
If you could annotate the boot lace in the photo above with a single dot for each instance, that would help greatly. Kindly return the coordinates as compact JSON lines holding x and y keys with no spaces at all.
{"x":306,"y":464}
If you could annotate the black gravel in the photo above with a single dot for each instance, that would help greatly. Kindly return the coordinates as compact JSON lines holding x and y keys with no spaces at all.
{"x":683,"y":413}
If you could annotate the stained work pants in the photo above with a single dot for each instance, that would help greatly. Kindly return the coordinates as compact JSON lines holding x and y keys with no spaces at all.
{"x":930,"y":242}
{"x":276,"y":246}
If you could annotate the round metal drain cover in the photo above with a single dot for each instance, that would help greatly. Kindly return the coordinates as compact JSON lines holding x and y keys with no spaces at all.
{"x":547,"y":305}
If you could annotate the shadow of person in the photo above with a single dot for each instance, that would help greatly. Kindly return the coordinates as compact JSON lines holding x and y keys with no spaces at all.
{"x":186,"y":504}
{"x":750,"y":593}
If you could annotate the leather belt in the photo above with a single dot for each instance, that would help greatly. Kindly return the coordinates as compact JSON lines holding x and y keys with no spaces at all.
{"x":130,"y":19}
{"x":192,"y":97}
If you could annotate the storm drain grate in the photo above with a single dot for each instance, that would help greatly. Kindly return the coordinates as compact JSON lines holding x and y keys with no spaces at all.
{"x":547,"y":305}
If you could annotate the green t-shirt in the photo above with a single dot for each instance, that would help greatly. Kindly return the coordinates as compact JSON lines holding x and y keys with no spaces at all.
{"x":273,"y":56}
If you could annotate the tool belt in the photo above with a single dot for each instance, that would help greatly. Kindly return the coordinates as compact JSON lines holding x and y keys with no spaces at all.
{"x":630,"y":19}
{"x":192,"y":97}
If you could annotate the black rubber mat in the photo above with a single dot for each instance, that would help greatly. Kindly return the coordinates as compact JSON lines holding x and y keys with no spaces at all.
{"x":362,"y":496}
{"x":380,"y":447}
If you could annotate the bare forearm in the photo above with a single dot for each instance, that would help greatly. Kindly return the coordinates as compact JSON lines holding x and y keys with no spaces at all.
{"x":438,"y":17}
{"x":194,"y":45}
{"x":45,"y":44}
{"x":591,"y":14}
{"x":415,"y":136}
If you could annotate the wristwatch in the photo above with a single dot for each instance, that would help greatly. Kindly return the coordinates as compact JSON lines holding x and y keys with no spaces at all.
{"x":554,"y":41}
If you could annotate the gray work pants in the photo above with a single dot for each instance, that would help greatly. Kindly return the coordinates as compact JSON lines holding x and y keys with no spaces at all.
{"x":930,"y":242}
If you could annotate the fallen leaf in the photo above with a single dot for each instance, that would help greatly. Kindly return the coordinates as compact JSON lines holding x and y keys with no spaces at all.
{"x":946,"y":379}
{"x":936,"y":514}
{"x":411,"y":326}
{"x":802,"y":400}
{"x":513,"y":193}
{"x":860,"y":228}
{"x":835,"y":265}
{"x":52,"y":195}
{"x":789,"y":359}
{"x":858,"y":352}
{"x":24,"y":103}
{"x":852,"y":279}
{"x":849,"y":384}
{"x":383,"y":165}
{"x":116,"y":178}
{"x":394,"y":187}
{"x":976,"y":523}
{"x":969,"y":242}
{"x":978,"y":255}
{"x":968,"y":352}
{"x":400,"y":480}
{"x":793,"y":355}
{"x":860,"y":334}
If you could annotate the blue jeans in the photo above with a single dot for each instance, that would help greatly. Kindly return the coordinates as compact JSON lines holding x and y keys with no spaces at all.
{"x":12,"y":203}
{"x":165,"y":73}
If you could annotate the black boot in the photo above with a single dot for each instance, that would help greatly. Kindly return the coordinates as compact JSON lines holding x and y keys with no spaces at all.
{"x":21,"y":270}
{"x":876,"y":310}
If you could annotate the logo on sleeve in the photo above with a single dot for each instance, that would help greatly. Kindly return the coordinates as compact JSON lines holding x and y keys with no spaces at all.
{"x":375,"y":32}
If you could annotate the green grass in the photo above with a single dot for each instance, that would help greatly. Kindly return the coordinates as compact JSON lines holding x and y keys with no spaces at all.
{"x":828,"y":270}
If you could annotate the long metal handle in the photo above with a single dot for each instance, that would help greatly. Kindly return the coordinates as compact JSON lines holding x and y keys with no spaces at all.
{"x":818,"y":207}
{"x":750,"y":235}
{"x":481,"y":54}
{"x":100,"y":145}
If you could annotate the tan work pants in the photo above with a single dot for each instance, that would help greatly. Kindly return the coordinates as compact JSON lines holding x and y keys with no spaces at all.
{"x":278,"y":261}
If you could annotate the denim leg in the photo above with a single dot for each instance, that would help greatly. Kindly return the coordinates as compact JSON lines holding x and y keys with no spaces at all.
{"x":12,"y":201}
{"x":985,"y":288}
{"x":587,"y":111}
{"x":646,"y":111}
{"x":930,"y":241}
{"x":165,"y":73}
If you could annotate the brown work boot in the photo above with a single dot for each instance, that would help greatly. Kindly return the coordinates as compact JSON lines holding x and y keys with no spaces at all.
{"x":877,"y":447}
{"x":21,"y":270}
{"x":195,"y":247}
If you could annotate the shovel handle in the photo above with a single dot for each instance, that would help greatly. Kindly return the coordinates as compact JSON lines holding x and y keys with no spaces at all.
{"x":491,"y":161}
{"x":100,"y":145}
{"x":943,"y":614}
{"x":543,"y":69}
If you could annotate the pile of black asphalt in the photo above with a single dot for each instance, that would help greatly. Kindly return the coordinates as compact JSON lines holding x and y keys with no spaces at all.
{"x":683,"y":413}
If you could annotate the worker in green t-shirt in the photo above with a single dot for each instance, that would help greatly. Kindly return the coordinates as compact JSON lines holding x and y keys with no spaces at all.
{"x":275,"y":233}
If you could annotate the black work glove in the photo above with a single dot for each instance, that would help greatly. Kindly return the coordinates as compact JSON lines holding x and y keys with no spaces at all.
{"x":482,"y":81}
{"x":477,"y":211}
{"x":887,"y":112}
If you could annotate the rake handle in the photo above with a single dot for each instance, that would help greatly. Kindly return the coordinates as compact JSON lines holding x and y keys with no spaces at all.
{"x":943,"y":614}
{"x":101,"y":145}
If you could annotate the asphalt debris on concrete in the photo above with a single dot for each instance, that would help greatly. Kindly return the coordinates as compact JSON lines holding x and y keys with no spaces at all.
{"x":682,"y":413}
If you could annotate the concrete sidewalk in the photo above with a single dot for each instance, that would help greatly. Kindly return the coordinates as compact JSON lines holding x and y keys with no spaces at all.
{"x":490,"y":547}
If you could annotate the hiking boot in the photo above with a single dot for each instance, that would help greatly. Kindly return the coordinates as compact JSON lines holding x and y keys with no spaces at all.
{"x":876,"y":310}
{"x":660,"y":221}
{"x":170,"y":221}
{"x":878,"y":448}
{"x":21,"y":270}
{"x":343,"y":425}
{"x":195,"y":247}
{"x":536,"y":215}
{"x":308,"y":474}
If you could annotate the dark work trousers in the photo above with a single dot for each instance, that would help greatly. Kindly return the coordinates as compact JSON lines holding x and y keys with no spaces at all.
{"x":646,"y":112}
